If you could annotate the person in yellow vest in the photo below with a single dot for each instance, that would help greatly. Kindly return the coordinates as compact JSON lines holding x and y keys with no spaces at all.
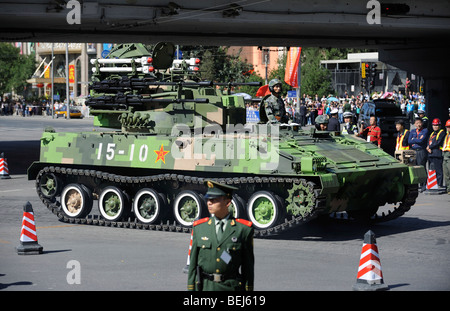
{"x":446,"y":155}
{"x":434,"y":148}
{"x":349,"y":127}
{"x":402,"y":136}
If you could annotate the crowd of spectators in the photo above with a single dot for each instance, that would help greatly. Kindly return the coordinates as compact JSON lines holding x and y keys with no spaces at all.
{"x":29,"y":108}
{"x":312,"y":106}
{"x":21,"y":108}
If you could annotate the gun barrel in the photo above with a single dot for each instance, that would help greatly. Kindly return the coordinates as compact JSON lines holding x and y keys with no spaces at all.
{"x":186,"y":84}
{"x":238,"y":83}
{"x":135,"y":100}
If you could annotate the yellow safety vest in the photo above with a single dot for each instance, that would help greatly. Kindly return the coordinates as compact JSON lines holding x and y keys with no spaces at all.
{"x":437,"y":136}
{"x":446,"y":143}
{"x":399,"y":145}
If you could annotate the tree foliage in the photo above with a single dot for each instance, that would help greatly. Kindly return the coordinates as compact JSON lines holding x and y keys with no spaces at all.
{"x":314,"y":78}
{"x":15,"y":69}
{"x":219,"y":66}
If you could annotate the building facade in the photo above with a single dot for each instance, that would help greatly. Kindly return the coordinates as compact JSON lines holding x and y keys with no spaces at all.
{"x":79,"y":69}
{"x":263,"y":58}
{"x":346,"y":75}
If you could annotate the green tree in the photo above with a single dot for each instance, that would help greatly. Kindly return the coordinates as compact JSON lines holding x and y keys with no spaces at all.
{"x":314,"y":78}
{"x":251,"y":90}
{"x":219,"y":66}
{"x":15,"y":69}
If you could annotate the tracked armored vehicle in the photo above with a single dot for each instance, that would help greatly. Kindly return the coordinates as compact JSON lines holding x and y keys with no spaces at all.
{"x":161,"y":133}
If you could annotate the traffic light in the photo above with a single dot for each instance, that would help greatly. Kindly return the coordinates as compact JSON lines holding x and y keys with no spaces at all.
{"x":363,"y":70}
{"x":373,"y":70}
{"x":371,"y":84}
{"x":363,"y":83}
{"x":388,"y":9}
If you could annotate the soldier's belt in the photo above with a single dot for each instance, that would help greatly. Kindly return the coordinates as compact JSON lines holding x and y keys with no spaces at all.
{"x":216,"y":277}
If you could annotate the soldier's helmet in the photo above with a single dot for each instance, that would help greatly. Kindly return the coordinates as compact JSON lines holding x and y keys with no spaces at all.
{"x":321,"y":119}
{"x":274,"y":82}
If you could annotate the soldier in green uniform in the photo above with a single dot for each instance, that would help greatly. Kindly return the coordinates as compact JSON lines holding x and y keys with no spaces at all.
{"x":321,"y":123}
{"x":222,"y":247}
{"x":272,"y":108}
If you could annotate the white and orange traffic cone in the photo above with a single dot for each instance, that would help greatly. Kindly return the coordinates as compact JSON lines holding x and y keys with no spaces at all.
{"x":28,"y":236}
{"x":432,"y":183}
{"x":370,"y":276}
{"x":432,"y":180}
{"x":4,"y":171}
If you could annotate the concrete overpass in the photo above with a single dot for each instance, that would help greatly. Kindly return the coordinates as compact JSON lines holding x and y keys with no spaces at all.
{"x":412,"y":35}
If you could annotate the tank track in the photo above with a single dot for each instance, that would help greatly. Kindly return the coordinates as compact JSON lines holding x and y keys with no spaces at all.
{"x":409,"y":199}
{"x":55,"y":206}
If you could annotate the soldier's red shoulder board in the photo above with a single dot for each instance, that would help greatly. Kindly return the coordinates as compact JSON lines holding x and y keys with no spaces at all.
{"x":200,"y":221}
{"x":244,"y":222}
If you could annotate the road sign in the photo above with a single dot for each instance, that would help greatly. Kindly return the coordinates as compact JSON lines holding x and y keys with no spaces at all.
{"x":105,"y":53}
{"x":292,"y":94}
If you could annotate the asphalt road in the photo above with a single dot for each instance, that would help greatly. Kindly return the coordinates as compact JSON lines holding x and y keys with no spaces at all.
{"x":319,"y":256}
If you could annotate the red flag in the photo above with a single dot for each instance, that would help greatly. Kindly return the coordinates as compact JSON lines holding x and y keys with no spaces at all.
{"x":291,"y":73}
{"x":263,"y":90}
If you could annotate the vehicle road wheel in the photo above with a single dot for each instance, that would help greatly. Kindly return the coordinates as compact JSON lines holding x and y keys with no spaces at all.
{"x":264,"y":209}
{"x":113,"y":204}
{"x":50,"y":185}
{"x":76,"y":201}
{"x":149,"y":205}
{"x":187,"y":207}
{"x":237,"y":207}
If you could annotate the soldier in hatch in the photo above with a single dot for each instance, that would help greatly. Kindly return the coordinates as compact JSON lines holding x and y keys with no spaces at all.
{"x":321,"y":123}
{"x":272,"y":108}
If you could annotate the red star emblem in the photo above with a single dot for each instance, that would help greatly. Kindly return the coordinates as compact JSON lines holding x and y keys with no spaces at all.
{"x":161,"y":153}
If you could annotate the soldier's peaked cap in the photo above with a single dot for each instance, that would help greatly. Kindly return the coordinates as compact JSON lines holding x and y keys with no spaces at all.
{"x":216,"y":189}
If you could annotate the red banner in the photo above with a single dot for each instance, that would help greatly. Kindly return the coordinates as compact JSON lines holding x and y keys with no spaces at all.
{"x":291,"y":73}
{"x":263,"y":90}
{"x":71,"y":73}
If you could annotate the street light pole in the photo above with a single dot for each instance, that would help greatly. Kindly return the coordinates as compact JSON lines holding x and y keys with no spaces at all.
{"x":67,"y":81}
{"x":53,"y":86}
{"x":266,"y":62}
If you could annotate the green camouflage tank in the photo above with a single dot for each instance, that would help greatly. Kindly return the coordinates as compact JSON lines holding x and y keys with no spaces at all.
{"x":163,"y":132}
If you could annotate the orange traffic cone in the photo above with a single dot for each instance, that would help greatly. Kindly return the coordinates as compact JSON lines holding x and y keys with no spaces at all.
{"x":370,"y":276}
{"x":28,"y":236}
{"x":432,"y":184}
{"x":432,"y":180}
{"x":4,"y":171}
